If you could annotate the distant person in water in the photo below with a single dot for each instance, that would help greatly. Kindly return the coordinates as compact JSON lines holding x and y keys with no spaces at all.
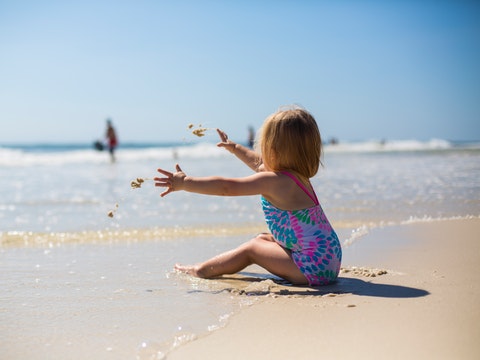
{"x":112,"y":140}
{"x":251,"y":137}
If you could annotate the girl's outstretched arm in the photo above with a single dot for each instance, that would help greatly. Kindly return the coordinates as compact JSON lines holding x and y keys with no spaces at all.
{"x":259,"y":183}
{"x":248,"y":156}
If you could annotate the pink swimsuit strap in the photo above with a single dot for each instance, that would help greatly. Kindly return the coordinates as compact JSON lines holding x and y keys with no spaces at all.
{"x":299,"y":183}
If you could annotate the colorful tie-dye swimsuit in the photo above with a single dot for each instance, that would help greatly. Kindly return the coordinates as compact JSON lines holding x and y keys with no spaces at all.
{"x":313,"y":243}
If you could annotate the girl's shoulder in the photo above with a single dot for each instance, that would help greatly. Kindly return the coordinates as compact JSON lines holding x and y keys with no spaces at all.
{"x":286,"y":191}
{"x":269,"y":182}
{"x":283,"y":176}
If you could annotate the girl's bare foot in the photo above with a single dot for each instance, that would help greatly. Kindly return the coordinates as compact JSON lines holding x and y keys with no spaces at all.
{"x":187,"y":269}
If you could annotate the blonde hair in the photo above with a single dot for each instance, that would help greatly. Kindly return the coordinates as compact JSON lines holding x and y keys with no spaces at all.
{"x":290,"y":140}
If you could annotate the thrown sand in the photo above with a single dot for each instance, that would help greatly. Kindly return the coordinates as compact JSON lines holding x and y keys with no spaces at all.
{"x":199,"y":131}
{"x":137,"y":183}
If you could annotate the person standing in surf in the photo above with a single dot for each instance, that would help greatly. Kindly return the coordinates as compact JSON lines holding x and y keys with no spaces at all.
{"x":112,"y":140}
{"x":301,"y":247}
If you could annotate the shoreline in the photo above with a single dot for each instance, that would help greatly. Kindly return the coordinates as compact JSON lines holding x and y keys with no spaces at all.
{"x":405,"y":291}
{"x":424,"y":306}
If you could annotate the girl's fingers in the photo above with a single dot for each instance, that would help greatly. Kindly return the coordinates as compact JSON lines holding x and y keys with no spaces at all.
{"x":166,"y":181}
{"x":222,"y":135}
{"x":163,"y":182}
{"x":164,"y":172}
{"x":165,"y":192}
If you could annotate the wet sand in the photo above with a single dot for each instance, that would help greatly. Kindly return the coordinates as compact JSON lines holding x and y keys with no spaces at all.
{"x":405,"y":291}
{"x":409,"y":291}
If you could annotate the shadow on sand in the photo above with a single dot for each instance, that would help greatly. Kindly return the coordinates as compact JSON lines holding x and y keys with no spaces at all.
{"x":255,"y":284}
{"x":366,"y":288}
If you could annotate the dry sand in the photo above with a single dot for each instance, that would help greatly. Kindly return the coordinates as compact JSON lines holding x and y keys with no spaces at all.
{"x":426,"y":305}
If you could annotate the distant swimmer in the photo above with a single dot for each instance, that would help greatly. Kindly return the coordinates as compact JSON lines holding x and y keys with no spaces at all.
{"x":333,"y":141}
{"x":112,"y":140}
{"x":251,"y":136}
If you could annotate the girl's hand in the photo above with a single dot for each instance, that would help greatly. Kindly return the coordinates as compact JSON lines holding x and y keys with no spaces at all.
{"x":225,"y":143}
{"x":172,"y":181}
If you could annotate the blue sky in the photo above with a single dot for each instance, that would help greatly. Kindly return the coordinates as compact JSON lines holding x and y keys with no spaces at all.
{"x":365,"y":69}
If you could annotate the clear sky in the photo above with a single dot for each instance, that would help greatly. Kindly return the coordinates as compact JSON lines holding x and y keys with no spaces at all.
{"x":365,"y":69}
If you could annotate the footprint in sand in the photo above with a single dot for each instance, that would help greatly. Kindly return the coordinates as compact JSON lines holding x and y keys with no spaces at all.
{"x":363,"y":271}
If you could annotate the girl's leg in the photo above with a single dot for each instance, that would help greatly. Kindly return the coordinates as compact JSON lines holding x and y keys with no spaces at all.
{"x":261,"y":250}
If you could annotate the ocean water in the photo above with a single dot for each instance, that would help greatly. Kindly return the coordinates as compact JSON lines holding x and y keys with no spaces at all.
{"x":63,"y":260}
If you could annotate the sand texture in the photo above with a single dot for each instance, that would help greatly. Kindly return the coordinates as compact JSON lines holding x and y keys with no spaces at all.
{"x":415,"y":295}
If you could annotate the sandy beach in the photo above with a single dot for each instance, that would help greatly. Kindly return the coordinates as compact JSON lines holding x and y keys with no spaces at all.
{"x":422,"y":303}
{"x":76,"y":283}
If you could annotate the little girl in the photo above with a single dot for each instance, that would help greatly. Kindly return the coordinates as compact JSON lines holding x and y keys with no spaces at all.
{"x":302,"y":246}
